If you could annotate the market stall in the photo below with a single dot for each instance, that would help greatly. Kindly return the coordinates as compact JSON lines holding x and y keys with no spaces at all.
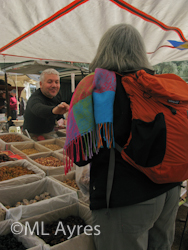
{"x":55,"y":34}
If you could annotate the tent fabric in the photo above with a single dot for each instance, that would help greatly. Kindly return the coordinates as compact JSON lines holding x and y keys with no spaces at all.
{"x":66,"y":30}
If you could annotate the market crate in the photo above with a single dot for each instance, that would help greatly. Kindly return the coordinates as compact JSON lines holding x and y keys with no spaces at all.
{"x":29,"y":146}
{"x":35,"y":198}
{"x":83,"y":241}
{"x":71,"y":176}
{"x":62,"y":178}
{"x":4,"y":144}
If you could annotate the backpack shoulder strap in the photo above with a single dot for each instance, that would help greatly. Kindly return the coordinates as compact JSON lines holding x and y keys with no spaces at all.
{"x":118,"y":147}
{"x":111,"y":168}
{"x":110,"y":176}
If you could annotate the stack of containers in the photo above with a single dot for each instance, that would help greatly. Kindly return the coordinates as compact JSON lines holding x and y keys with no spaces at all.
{"x":42,"y":196}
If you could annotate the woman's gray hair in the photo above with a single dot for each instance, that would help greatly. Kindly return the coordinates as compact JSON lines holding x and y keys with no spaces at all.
{"x":121,"y":48}
{"x":48,"y":72}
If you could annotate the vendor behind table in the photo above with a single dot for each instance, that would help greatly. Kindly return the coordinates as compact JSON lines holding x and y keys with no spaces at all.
{"x":45,"y":105}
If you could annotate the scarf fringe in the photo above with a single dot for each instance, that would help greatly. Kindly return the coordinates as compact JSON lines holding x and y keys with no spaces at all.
{"x":92,"y":143}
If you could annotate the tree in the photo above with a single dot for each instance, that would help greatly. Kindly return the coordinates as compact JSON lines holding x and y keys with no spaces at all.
{"x":179,"y":68}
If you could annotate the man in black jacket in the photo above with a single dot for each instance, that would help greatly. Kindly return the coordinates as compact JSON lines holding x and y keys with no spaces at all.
{"x":44,"y":106}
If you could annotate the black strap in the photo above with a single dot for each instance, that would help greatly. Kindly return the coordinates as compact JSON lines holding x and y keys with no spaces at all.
{"x":110,"y":176}
{"x":119,"y":149}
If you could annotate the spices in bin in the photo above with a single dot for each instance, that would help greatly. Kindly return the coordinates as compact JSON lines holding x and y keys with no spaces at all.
{"x":29,"y":151}
{"x":11,"y":172}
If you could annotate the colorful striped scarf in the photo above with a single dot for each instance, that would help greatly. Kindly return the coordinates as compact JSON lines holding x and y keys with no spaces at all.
{"x":90,"y":112}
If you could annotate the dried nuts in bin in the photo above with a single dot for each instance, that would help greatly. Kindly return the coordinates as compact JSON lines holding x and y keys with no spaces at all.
{"x":7,"y":173}
{"x":37,"y":198}
{"x":71,"y":183}
{"x":11,"y":138}
{"x":50,"y":161}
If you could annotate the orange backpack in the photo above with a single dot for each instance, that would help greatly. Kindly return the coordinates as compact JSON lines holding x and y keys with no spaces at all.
{"x":158,"y":142}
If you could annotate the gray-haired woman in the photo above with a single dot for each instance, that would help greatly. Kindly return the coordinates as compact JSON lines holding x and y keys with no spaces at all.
{"x":137,"y":214}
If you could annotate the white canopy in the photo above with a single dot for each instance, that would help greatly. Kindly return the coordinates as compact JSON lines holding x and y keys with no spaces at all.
{"x":66,"y":30}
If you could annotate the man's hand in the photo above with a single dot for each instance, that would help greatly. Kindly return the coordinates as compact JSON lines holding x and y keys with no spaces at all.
{"x":60,"y":109}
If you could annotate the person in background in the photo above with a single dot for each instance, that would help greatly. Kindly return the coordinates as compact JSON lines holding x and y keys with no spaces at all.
{"x":21,"y":106}
{"x":138,"y":214}
{"x":2,"y":102}
{"x":45,"y":106}
{"x":13,"y":104}
{"x":3,"y":106}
